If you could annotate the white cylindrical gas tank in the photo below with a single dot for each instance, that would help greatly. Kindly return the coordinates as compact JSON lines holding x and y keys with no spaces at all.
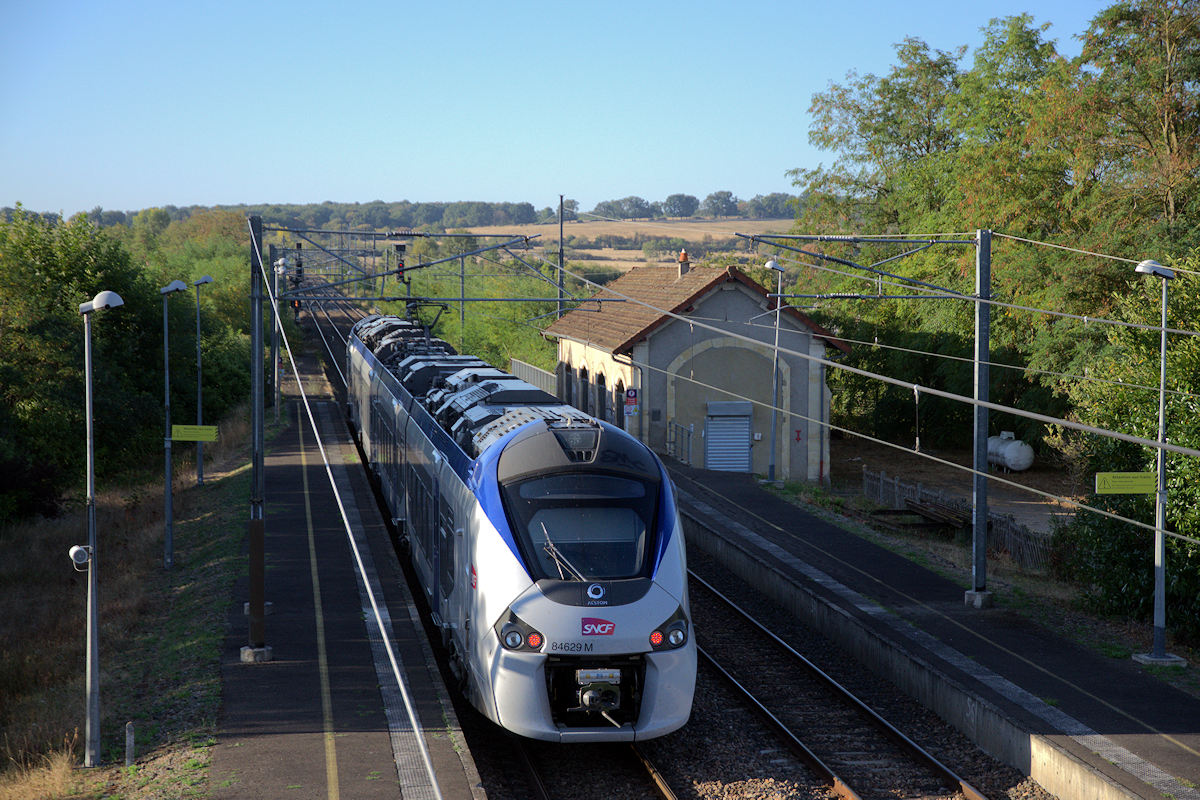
{"x":1009,"y":452}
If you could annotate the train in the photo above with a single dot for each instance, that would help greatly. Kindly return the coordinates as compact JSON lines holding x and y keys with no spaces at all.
{"x":547,"y":543}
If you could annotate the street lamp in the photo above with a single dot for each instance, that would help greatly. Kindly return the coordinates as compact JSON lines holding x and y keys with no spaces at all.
{"x":279,"y":272}
{"x":80,"y":555}
{"x":773,"y":264}
{"x":199,"y":390}
{"x":168,"y":554}
{"x":1158,"y":654}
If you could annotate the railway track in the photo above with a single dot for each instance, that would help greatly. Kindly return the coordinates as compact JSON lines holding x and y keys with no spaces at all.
{"x":851,"y":747}
{"x":581,"y":772}
{"x":838,"y":740}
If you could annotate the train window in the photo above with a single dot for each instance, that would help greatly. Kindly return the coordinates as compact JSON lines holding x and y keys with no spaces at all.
{"x":584,"y":526}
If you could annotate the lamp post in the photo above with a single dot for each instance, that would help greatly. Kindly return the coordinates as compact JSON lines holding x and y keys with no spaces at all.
{"x":1158,"y":654}
{"x":280,"y":272}
{"x":80,"y":555}
{"x":168,"y":552}
{"x":199,"y":389}
{"x":773,"y":264}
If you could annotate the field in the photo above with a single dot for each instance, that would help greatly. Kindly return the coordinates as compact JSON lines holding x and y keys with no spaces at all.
{"x":693,"y":230}
{"x":705,"y":233}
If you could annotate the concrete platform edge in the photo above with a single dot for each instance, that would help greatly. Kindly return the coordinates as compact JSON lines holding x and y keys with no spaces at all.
{"x":412,"y":778}
{"x":1049,"y":762}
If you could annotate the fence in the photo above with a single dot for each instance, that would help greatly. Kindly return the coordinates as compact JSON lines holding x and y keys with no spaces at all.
{"x":679,"y":442}
{"x":542,"y":379}
{"x":1027,"y":549}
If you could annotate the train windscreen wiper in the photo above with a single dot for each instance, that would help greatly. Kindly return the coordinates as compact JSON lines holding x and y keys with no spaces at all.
{"x":560,"y":560}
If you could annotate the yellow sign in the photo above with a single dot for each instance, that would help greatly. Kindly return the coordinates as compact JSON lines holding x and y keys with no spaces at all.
{"x":193,"y":433}
{"x":1126,"y":482}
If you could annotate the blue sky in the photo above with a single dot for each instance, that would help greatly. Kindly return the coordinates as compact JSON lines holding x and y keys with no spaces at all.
{"x":129,"y":105}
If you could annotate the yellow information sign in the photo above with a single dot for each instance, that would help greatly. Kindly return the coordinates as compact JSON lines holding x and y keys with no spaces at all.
{"x":1126,"y":482}
{"x":193,"y":433}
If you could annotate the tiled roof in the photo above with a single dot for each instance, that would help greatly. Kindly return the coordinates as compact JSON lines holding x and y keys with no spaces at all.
{"x":647,"y":292}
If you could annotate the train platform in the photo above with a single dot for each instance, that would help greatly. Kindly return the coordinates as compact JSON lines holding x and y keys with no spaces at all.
{"x":326,"y":716}
{"x":1081,"y":724}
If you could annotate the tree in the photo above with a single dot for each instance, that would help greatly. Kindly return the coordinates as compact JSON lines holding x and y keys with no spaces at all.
{"x":634,"y":207}
{"x":893,"y":139}
{"x":1144,"y":57}
{"x":46,"y":271}
{"x":680,"y":205}
{"x":611,"y":209}
{"x":720,"y":204}
{"x":515,"y":214}
{"x":776,"y":205}
{"x":147,"y":225}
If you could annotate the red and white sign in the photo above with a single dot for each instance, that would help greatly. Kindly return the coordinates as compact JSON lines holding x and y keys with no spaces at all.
{"x":593,"y":626}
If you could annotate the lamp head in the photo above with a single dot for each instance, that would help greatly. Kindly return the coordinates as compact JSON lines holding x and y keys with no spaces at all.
{"x":202,"y":281}
{"x":105,"y":299}
{"x":80,"y":556}
{"x":773,"y":264}
{"x":1152,"y":267}
{"x":173,"y":286}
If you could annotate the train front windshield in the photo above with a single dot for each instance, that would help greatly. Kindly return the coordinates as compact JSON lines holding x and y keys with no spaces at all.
{"x":584,"y":527}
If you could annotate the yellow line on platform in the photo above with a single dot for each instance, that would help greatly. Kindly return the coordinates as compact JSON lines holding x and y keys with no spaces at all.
{"x":331,"y":767}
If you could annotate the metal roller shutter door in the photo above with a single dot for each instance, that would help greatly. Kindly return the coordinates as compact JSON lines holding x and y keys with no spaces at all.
{"x":727,"y":437}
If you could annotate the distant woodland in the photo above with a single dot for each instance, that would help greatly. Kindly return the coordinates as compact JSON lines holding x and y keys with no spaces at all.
{"x":404,"y":215}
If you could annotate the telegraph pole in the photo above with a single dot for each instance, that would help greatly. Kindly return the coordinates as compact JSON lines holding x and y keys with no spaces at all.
{"x":257,"y":649}
{"x":978,"y":595}
{"x":560,"y":257}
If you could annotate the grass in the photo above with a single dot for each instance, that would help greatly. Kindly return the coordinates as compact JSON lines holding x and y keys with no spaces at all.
{"x":160,"y":636}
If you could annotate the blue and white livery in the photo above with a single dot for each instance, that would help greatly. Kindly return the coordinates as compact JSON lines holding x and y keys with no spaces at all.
{"x":548,"y":543}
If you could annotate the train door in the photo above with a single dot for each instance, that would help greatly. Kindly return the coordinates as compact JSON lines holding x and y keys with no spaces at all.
{"x":447,"y":559}
{"x":422,"y":522}
{"x":372,"y":436}
{"x":400,"y":461}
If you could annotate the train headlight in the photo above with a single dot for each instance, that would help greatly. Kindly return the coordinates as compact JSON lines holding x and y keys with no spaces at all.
{"x":672,"y":633}
{"x":515,"y":634}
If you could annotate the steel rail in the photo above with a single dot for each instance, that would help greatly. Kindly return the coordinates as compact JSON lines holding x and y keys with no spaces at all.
{"x":531,"y":771}
{"x":920,"y":754}
{"x":660,"y":782}
{"x":823,"y":771}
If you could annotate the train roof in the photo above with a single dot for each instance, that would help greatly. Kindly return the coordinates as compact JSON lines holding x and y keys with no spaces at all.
{"x":476,"y":403}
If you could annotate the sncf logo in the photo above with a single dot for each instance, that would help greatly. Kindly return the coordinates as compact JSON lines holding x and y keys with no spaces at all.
{"x":598,"y":627}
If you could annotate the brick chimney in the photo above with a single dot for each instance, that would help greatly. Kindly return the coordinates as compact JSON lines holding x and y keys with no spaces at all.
{"x":684,"y":264}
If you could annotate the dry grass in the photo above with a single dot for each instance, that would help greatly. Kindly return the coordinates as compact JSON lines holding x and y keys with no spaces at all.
{"x":158,"y":629}
{"x":691,"y":230}
{"x":687,"y":229}
{"x":52,"y":776}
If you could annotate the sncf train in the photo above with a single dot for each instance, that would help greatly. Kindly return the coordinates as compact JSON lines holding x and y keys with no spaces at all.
{"x":547,"y":542}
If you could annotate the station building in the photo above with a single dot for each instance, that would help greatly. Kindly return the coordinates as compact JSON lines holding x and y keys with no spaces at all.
{"x":684,"y":361}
